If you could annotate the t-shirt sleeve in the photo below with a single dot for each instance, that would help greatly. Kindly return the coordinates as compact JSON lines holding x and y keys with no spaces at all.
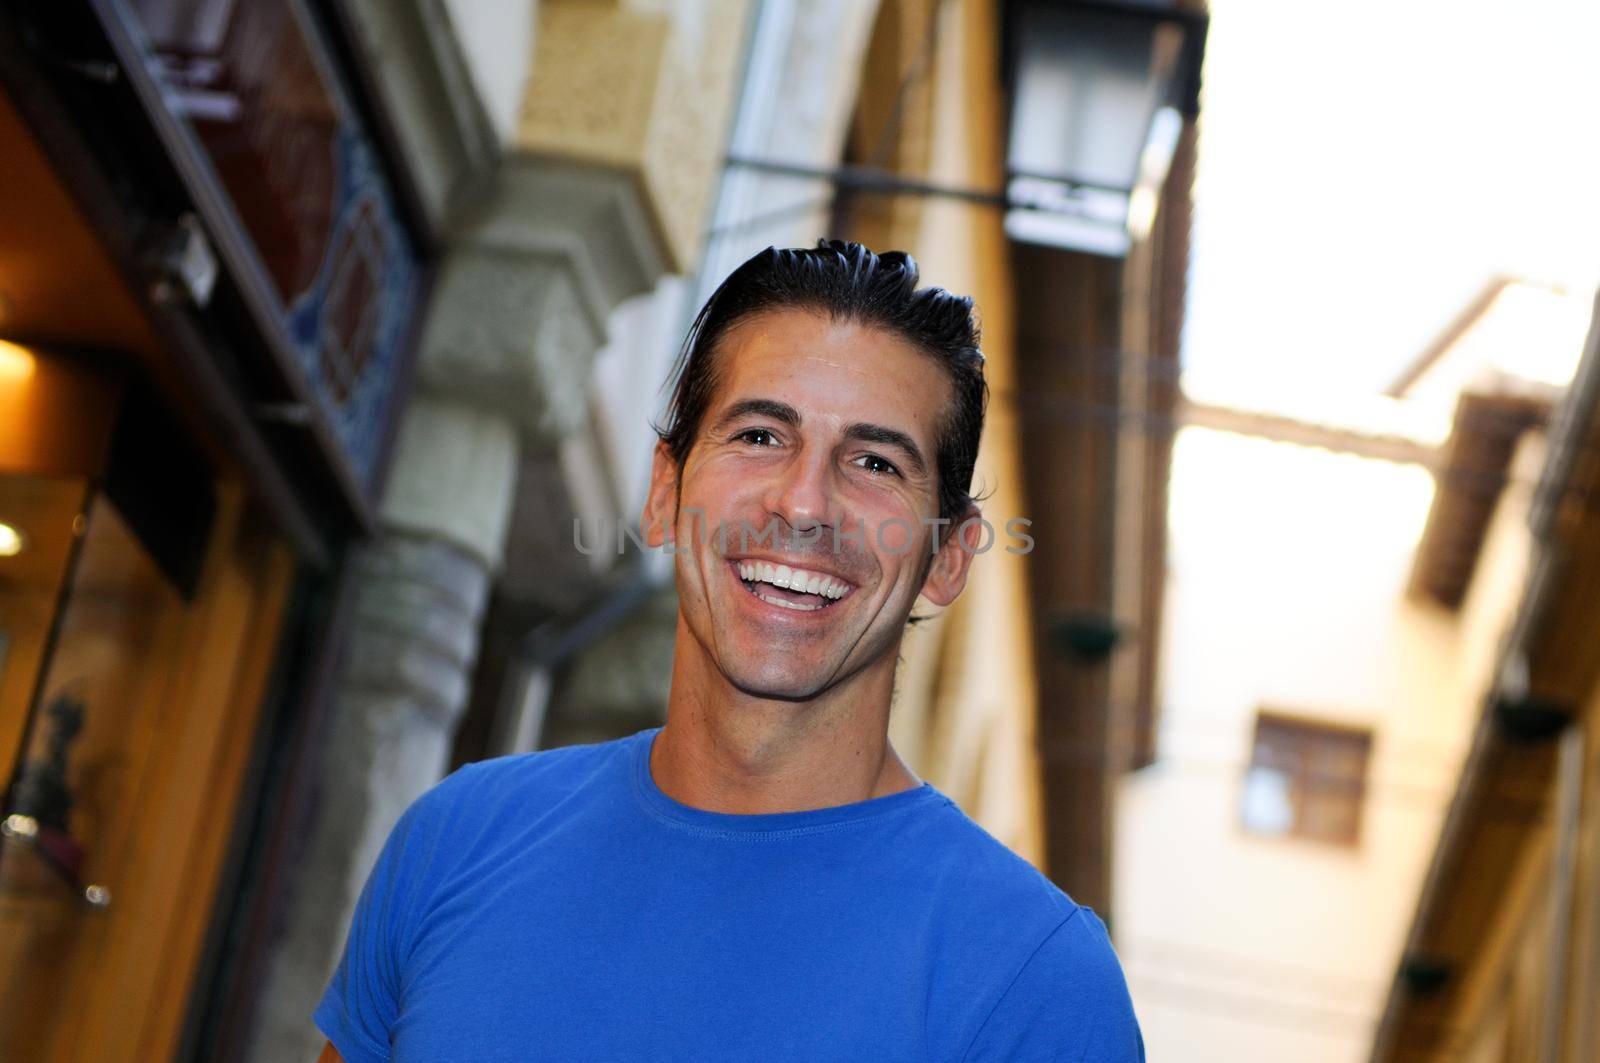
{"x":359,"y":1007}
{"x":1068,"y":1004}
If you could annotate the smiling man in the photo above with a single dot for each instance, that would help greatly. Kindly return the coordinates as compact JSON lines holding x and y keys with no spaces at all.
{"x":763,"y":877}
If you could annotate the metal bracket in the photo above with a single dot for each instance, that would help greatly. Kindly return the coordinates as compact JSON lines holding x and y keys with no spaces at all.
{"x":185,"y":263}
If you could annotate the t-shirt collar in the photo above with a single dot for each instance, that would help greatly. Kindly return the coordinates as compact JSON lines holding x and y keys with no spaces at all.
{"x":675,"y":813}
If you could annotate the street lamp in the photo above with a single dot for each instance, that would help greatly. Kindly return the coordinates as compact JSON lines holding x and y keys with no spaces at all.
{"x":1100,"y":89}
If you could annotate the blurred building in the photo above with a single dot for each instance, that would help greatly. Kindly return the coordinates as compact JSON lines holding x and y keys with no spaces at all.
{"x":337,"y":332}
{"x":1502,"y":958}
{"x":1341,"y":585}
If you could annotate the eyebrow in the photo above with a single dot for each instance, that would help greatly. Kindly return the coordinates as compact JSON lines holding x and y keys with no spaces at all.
{"x":889,"y":437}
{"x":778,"y":411}
{"x":860,"y":431}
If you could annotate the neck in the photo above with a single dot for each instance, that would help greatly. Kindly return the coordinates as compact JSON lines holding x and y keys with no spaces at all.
{"x":724,"y":750}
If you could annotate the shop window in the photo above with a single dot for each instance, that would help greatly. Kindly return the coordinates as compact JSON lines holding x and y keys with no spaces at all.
{"x":101,"y":547}
{"x":109,"y":662}
{"x":1307,"y":779}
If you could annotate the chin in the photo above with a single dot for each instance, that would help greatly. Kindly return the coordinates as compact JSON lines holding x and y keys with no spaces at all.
{"x":777,"y":681}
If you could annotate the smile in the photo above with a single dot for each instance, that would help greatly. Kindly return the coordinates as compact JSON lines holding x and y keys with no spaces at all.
{"x":791,"y":588}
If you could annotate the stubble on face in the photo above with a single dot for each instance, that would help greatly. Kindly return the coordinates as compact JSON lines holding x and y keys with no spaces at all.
{"x":822,"y":433}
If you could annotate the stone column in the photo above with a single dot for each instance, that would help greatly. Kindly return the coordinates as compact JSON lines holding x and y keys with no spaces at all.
{"x":412,"y":641}
{"x":419,"y":599}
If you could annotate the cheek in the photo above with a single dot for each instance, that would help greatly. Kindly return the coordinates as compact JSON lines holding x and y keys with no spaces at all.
{"x":699,"y":496}
{"x":719,"y":479}
{"x":895,"y":521}
{"x":893,"y":537}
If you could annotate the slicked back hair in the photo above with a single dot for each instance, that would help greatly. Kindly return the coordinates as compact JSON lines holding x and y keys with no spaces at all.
{"x":847,"y":283}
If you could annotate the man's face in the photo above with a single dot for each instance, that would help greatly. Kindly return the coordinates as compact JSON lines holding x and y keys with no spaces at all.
{"x":802,"y":515}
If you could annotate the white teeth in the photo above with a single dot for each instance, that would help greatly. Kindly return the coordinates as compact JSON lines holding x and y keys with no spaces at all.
{"x":789,"y":605}
{"x":794,"y":579}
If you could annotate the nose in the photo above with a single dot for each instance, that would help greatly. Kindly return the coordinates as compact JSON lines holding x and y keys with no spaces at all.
{"x":801,"y":495}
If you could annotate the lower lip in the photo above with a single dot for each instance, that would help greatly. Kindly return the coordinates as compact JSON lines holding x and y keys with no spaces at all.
{"x":782,"y":612}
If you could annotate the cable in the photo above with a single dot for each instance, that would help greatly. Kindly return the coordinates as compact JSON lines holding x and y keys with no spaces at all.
{"x":1141,"y":950}
{"x":1233,"y":771}
{"x":1256,"y":1008}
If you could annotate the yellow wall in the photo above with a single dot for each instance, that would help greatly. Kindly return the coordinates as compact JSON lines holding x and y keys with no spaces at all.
{"x":1286,"y":589}
{"x":964,"y":709}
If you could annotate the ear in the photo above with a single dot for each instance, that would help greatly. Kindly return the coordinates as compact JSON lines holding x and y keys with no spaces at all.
{"x":661,"y":504}
{"x":947,"y":575}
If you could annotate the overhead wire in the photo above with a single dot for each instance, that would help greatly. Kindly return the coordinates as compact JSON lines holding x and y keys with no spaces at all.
{"x":1233,"y":771}
{"x":1261,"y":1009}
{"x":1149,"y":949}
{"x":914,"y":74}
{"x":1251,"y":1007}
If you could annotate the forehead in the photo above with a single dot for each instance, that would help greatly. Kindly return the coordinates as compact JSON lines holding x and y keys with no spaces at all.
{"x":832,"y":370}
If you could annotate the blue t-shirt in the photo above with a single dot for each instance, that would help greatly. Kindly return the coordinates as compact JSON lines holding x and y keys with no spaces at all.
{"x":559,"y":906}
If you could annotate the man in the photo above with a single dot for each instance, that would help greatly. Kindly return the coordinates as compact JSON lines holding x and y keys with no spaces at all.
{"x":763,"y":877}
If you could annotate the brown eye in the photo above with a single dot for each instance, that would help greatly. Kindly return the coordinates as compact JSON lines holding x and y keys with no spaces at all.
{"x":874,"y":464}
{"x":758,"y":437}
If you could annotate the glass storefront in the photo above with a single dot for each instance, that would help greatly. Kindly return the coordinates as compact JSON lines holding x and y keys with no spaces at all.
{"x":96,"y":624}
{"x":140,"y":607}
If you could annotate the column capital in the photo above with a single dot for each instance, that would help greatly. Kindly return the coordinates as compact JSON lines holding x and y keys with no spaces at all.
{"x":643,"y":89}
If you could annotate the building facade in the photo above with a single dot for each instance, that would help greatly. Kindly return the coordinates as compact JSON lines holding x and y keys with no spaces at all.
{"x":1501,"y":961}
{"x":1341,"y":586}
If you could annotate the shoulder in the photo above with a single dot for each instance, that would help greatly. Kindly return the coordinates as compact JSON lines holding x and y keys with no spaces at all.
{"x":1069,"y":1001}
{"x":484,"y":798}
{"x":981,"y":870}
{"x":1056,"y":987}
{"x":543,"y":772}
{"x":562,"y":765}
{"x":1078,"y":957}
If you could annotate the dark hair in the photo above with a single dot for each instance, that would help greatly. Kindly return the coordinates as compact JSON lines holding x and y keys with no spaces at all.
{"x":847,"y":282}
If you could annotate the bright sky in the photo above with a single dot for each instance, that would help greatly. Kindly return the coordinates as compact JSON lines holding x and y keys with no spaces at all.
{"x":1365,"y":167}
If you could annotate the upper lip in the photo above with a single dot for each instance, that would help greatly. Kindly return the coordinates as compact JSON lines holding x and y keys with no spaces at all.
{"x":806,"y":565}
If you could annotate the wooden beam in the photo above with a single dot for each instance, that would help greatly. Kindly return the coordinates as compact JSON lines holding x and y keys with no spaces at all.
{"x":1281,"y":428}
